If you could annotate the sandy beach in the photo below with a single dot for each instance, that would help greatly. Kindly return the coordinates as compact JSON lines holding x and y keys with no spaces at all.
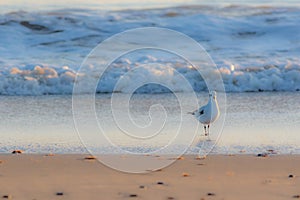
{"x":126,"y":78}
{"x":35,"y":176}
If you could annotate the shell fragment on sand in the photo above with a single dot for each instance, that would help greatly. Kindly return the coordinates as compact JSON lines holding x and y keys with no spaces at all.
{"x":185,"y":174}
{"x":17,"y":152}
{"x":50,"y":154}
{"x":90,"y":158}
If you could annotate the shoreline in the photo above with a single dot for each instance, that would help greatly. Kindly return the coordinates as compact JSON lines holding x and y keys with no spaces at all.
{"x":78,"y":176}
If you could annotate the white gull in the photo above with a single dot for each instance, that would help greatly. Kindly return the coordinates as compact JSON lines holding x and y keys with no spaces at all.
{"x":209,"y":113}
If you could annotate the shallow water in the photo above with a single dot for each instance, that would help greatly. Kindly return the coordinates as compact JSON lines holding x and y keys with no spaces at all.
{"x":254,"y":122}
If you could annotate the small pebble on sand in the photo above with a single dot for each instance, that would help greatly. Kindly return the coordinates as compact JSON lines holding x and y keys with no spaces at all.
{"x":291,"y":176}
{"x":262,"y":155}
{"x":184,"y":174}
{"x":296,"y":196}
{"x":133,"y":195}
{"x":160,"y":183}
{"x":59,"y":193}
{"x":7,"y":196}
{"x":211,"y":194}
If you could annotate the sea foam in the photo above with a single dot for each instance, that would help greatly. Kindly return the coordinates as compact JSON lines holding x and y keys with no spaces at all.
{"x":255,"y":48}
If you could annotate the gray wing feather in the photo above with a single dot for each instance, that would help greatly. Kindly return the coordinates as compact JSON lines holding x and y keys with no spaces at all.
{"x":201,"y":112}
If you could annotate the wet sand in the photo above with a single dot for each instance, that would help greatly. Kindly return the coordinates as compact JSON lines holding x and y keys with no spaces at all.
{"x":29,"y":176}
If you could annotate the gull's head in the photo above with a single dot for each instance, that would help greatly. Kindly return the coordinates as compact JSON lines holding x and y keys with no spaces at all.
{"x":213,"y":94}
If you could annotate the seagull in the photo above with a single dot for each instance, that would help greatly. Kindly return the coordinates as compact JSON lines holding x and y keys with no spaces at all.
{"x":209,"y":113}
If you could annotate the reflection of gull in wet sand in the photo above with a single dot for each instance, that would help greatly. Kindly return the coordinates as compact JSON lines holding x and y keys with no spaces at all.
{"x":209,"y":113}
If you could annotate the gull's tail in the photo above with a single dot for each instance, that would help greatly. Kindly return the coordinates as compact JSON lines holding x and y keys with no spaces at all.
{"x":191,"y":113}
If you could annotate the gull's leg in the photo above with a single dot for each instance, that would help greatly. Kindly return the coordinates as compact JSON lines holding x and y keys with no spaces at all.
{"x":205,"y":130}
{"x":208,"y":129}
{"x":208,"y":138}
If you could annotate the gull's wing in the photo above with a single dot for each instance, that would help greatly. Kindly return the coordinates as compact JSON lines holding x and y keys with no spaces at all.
{"x":201,"y":110}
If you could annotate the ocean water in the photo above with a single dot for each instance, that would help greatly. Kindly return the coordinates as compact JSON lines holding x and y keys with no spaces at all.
{"x":255,"y":46}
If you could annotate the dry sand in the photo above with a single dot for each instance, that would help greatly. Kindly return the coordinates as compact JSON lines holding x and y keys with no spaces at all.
{"x":216,"y":177}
